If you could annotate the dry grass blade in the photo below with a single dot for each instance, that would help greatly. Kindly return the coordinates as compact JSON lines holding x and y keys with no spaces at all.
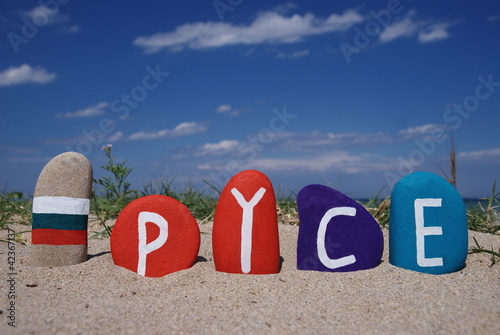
{"x":452,"y":179}
{"x":287,"y":215}
{"x":480,"y":249}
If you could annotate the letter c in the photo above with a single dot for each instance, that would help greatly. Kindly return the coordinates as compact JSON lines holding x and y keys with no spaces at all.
{"x":332,"y":263}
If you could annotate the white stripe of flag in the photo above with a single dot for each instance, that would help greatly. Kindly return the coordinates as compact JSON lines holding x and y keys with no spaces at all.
{"x":61,"y":205}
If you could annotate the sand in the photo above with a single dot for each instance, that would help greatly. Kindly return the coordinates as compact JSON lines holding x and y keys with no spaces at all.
{"x":97,"y":297}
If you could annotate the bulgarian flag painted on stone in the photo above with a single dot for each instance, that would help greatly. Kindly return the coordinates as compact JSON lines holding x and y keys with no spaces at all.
{"x":60,"y":211}
{"x":60,"y":220}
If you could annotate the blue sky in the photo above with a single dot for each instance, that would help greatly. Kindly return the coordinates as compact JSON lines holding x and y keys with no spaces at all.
{"x":350,"y":94}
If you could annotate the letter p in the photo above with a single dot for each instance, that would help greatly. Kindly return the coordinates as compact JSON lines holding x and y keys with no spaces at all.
{"x":146,"y":248}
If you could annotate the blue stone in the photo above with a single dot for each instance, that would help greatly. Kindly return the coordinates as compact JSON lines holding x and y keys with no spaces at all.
{"x":336,"y":233}
{"x":428,"y":225}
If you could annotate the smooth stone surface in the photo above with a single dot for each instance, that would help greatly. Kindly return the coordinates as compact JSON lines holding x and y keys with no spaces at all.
{"x":57,"y":255}
{"x":68,"y":174}
{"x":245,"y":234}
{"x":60,"y":211}
{"x":428,"y":229}
{"x":336,"y":233}
{"x":154,"y":236}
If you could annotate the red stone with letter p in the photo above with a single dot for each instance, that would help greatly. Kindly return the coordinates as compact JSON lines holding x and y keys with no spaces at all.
{"x":154,"y":236}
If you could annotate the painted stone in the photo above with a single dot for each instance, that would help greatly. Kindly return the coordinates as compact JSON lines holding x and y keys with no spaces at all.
{"x":428,"y":225}
{"x":154,"y":236}
{"x":245,"y":235}
{"x":61,"y":206}
{"x":336,"y":233}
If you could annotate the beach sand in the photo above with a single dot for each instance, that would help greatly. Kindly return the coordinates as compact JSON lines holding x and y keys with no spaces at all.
{"x":97,"y":297}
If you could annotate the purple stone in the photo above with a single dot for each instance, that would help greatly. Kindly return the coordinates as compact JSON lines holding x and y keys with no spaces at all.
{"x":336,"y":233}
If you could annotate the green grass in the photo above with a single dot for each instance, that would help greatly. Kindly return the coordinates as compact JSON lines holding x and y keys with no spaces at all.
{"x":199,"y":202}
{"x":479,"y":249}
{"x":486,"y":219}
{"x":379,"y":209}
{"x":114,"y":195}
{"x":286,"y":207}
{"x":15,"y":209}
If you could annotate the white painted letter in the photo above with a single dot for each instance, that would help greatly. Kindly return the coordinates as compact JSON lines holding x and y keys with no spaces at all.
{"x":144,"y":248}
{"x":323,"y":257}
{"x":422,"y":231}
{"x":246,"y":225}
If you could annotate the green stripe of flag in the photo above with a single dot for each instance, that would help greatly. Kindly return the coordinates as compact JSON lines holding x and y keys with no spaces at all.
{"x":60,"y":221}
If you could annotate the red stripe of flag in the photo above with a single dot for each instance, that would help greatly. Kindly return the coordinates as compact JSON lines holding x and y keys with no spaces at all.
{"x":59,"y":237}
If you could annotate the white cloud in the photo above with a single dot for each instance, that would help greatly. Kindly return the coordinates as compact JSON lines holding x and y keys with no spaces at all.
{"x":414,"y":132}
{"x":95,"y":110}
{"x":219,"y":148}
{"x":285,"y":8}
{"x":479,"y":154}
{"x":25,"y":74}
{"x":182,"y":129}
{"x":289,"y":142}
{"x":339,"y":159}
{"x":116,"y":136}
{"x":313,"y":143}
{"x":492,"y":18}
{"x":223,"y":145}
{"x":425,"y":30}
{"x":43,"y":15}
{"x":223,"y":108}
{"x":19,"y":150}
{"x":434,"y":33}
{"x":295,"y":54}
{"x":188,"y":128}
{"x":404,"y":28}
{"x":317,"y":141}
{"x":333,"y":160}
{"x":229,"y":111}
{"x":299,"y":54}
{"x":268,"y":27}
{"x":70,"y":30}
{"x":30,"y":160}
{"x":206,"y":166}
